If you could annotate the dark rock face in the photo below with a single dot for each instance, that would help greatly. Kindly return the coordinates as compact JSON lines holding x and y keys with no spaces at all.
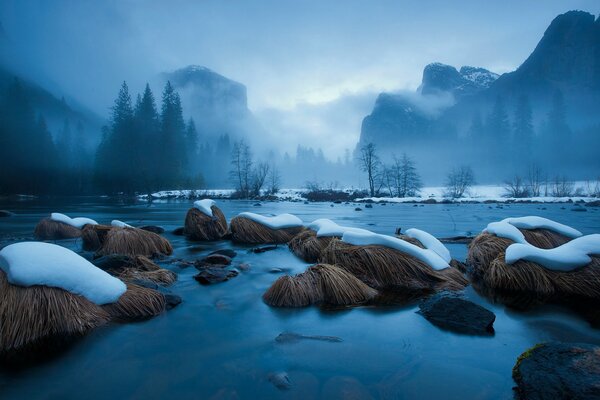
{"x":558,"y":371}
{"x":439,"y":77}
{"x":152,"y":228}
{"x":210,"y":276}
{"x":458,"y":315}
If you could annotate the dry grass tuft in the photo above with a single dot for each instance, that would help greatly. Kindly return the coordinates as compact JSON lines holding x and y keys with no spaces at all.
{"x":137,"y":303}
{"x":34,"y":317}
{"x":319,"y":284}
{"x":47,"y":229}
{"x":308,"y":246}
{"x":245,"y":230}
{"x":486,"y":260}
{"x":199,"y":226}
{"x":389,"y":269}
{"x":127,"y":241}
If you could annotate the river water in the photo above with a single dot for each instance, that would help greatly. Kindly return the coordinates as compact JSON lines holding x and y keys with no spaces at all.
{"x":220,"y":342}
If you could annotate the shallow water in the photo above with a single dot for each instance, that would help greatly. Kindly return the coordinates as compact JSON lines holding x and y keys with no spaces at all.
{"x":219,"y":343}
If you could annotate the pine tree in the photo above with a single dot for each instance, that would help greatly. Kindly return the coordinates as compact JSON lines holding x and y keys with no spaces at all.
{"x":172,"y":139}
{"x":523,"y":129}
{"x":147,"y":126}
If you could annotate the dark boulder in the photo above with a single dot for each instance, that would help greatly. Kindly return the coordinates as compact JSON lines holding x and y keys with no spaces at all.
{"x":358,"y":209}
{"x":218,"y":259}
{"x":209,"y":276}
{"x":179,"y":231}
{"x":153,"y":228}
{"x":459,"y":315}
{"x":558,"y":371}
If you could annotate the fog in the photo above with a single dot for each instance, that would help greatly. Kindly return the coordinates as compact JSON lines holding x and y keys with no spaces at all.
{"x":312,"y":71}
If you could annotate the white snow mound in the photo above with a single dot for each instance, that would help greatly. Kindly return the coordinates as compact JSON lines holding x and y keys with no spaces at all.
{"x":429,"y":257}
{"x":430,"y":242}
{"x":534,"y":222}
{"x":280,"y":221}
{"x":78,"y":222}
{"x":327,"y":228}
{"x":205,"y":206}
{"x":119,"y":224}
{"x":39,"y":263}
{"x":567,"y":257}
{"x":505,"y":230}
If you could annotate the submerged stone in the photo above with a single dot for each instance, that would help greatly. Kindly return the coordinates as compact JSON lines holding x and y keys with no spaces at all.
{"x":459,"y":315}
{"x":280,"y":380}
{"x":179,"y":231}
{"x":225,"y":252}
{"x":5,"y":213}
{"x":219,"y":259}
{"x":558,"y":371}
{"x":210,"y":276}
{"x":291,"y":337}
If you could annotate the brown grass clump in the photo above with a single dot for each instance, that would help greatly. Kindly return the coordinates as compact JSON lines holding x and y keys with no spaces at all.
{"x":389,"y":269}
{"x":137,"y":303}
{"x":48,"y":229}
{"x":245,"y":230}
{"x":128,"y":241}
{"x":319,"y":284}
{"x":486,"y":260}
{"x":199,"y":226}
{"x":35,"y":317}
{"x":308,"y":246}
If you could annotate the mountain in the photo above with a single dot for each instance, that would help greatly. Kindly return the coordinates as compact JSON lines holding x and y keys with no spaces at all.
{"x":556,"y":90}
{"x":438,"y":77}
{"x":218,"y":104}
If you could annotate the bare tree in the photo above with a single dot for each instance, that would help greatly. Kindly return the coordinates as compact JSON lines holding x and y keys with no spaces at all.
{"x":369,"y":162}
{"x":458,"y":181}
{"x":535,"y":180}
{"x":408,"y":181}
{"x":593,"y":187}
{"x":516,"y":187}
{"x":562,"y":187}
{"x":273,"y":180}
{"x":259,"y":176}
{"x":241,"y":168}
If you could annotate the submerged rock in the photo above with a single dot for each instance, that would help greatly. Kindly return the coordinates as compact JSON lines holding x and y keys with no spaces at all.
{"x":210,"y":276}
{"x":358,"y":209}
{"x":225,"y":252}
{"x":171,"y":298}
{"x":153,"y":228}
{"x":280,"y":380}
{"x":291,"y":337}
{"x":179,"y":231}
{"x":368,"y":205}
{"x":558,"y":371}
{"x":219,"y":259}
{"x":258,"y":250}
{"x":5,"y":213}
{"x":459,"y":315}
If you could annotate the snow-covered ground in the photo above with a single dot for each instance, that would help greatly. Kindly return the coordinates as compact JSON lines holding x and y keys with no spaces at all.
{"x":479,"y":193}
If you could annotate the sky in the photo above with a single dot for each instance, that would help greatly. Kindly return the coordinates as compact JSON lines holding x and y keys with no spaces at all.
{"x":312,"y":68}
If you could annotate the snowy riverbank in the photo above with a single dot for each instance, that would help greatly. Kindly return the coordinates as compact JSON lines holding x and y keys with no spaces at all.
{"x":432,"y":194}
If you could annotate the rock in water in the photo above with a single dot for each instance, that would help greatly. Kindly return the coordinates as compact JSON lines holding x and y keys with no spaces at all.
{"x":171,"y":298}
{"x":179,"y":231}
{"x":214,"y":275}
{"x":153,"y":228}
{"x":225,"y":252}
{"x":219,"y":259}
{"x":4,"y":213}
{"x":458,"y":315}
{"x":291,"y":337}
{"x":558,"y":371}
{"x":280,"y":380}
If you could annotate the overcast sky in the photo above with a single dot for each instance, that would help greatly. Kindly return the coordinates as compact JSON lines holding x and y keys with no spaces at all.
{"x":298,"y":59}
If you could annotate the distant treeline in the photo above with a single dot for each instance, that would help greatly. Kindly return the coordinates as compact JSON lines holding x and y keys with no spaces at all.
{"x":141,"y":150}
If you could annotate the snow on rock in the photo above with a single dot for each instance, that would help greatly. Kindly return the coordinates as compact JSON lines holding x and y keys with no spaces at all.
{"x":326,"y":228}
{"x":533,"y":222}
{"x":39,"y":263}
{"x":505,"y":230}
{"x":78,"y":222}
{"x":429,"y":257}
{"x":430,"y":242}
{"x":280,"y":221}
{"x":567,"y":257}
{"x":119,"y":224}
{"x":205,"y":206}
